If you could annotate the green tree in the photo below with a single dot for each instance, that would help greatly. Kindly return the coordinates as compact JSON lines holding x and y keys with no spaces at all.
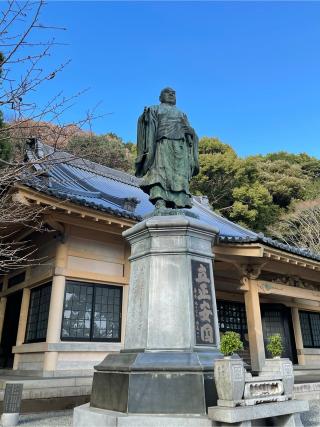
{"x":253,"y":206}
{"x":108,"y":150}
{"x":218,"y":172}
{"x":284,"y":180}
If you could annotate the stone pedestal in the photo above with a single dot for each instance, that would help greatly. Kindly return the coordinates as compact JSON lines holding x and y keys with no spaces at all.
{"x":166,"y":254}
{"x":172,"y":333}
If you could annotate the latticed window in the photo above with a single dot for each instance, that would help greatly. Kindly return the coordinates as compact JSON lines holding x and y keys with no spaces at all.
{"x":310,"y":328}
{"x":232,"y":317}
{"x":38,"y":313}
{"x":92,"y":312}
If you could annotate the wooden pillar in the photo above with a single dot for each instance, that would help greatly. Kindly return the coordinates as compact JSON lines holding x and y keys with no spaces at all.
{"x":298,"y":335}
{"x":54,"y":321}
{"x":23,"y":316}
{"x":22,"y":326}
{"x":256,"y":344}
{"x":55,"y":310}
{"x":3,"y":303}
{"x":56,"y":306}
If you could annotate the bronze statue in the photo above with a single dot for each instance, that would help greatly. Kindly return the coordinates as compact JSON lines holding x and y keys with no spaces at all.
{"x":167,"y":155}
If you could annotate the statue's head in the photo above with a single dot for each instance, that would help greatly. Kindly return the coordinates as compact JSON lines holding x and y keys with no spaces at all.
{"x":168,"y":96}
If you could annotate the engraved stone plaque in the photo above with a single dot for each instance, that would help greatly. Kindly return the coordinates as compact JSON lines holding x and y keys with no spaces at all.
{"x":12,"y":398}
{"x":202,"y":302}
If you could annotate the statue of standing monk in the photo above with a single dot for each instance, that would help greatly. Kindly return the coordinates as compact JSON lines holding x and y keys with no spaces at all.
{"x":167,"y":155}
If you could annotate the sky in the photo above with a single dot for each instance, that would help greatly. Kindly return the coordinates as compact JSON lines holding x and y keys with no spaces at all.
{"x":245,"y":72}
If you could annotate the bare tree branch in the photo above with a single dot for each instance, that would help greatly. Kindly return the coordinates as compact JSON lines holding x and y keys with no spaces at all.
{"x":301,"y":227}
{"x":25,"y":43}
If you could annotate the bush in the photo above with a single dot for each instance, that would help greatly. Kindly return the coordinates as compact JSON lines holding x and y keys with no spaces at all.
{"x":275,"y":346}
{"x":230,"y":343}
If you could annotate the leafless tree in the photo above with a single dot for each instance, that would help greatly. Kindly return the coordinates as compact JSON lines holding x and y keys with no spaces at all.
{"x":301,"y":227}
{"x":25,"y":44}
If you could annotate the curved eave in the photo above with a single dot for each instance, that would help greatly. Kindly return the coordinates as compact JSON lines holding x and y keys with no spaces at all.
{"x":68,"y":207}
{"x":267,"y":241}
{"x":248,"y":250}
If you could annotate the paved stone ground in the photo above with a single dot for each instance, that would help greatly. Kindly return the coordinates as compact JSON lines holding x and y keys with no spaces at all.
{"x":47,"y":419}
{"x":64,"y":418}
{"x":312,"y":417}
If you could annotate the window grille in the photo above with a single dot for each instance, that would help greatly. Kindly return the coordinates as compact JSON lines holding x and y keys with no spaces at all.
{"x":38,"y":313}
{"x":92,"y":312}
{"x":232,"y":317}
{"x":310,"y":328}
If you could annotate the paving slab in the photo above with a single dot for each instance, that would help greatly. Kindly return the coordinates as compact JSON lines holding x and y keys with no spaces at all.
{"x":65,"y":418}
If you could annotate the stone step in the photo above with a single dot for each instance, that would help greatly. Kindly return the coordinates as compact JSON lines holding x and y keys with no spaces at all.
{"x":53,"y":404}
{"x":48,"y":388}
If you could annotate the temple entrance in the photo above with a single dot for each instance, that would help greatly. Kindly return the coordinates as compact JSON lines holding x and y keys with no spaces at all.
{"x":10,"y":329}
{"x":276,"y":319}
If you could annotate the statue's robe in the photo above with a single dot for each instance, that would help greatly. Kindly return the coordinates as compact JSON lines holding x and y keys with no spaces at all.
{"x":167,"y":155}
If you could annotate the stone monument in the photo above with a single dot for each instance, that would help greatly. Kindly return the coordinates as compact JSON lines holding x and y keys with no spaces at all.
{"x":171,"y":342}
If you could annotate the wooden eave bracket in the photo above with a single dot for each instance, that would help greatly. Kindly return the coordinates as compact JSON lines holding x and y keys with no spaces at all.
{"x":249,"y":272}
{"x":284,"y":257}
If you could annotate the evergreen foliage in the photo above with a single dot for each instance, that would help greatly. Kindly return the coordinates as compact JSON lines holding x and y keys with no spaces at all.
{"x":275,"y":346}
{"x":257,"y":190}
{"x":107,"y":149}
{"x":230,"y":343}
{"x":219,"y":165}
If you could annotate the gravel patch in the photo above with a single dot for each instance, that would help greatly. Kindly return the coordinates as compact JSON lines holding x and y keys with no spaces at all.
{"x":47,"y":419}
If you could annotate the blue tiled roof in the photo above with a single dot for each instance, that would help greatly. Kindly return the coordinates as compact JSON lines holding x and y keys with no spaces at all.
{"x":89,"y":184}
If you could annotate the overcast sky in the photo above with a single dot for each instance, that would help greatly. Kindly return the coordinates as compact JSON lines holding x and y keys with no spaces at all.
{"x":246,"y":72}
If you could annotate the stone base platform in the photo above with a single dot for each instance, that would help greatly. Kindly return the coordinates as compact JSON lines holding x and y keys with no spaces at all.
{"x":84,"y":416}
{"x":282,"y":413}
{"x":161,"y":382}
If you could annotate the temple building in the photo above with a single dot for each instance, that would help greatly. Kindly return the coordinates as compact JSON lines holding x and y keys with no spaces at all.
{"x":63,"y":314}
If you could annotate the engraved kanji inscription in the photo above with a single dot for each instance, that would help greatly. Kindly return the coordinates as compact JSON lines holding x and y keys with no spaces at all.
{"x":12,"y":398}
{"x":202,"y":303}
